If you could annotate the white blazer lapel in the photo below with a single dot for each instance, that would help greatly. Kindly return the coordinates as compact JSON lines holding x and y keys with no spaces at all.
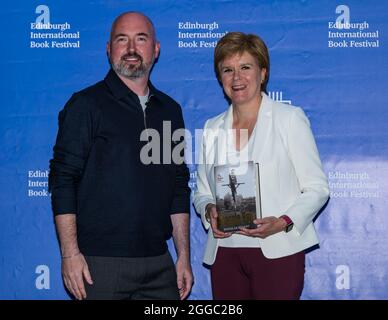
{"x":223,"y":136}
{"x":263,"y":128}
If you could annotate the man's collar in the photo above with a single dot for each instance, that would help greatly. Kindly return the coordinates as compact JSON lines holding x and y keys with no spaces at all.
{"x":120,"y":90}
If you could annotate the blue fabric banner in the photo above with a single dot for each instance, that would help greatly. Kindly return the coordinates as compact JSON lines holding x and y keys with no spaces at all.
{"x":327,"y":57}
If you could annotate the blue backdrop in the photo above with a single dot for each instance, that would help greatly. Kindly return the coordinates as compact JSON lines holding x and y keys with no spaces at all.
{"x":327,"y":56}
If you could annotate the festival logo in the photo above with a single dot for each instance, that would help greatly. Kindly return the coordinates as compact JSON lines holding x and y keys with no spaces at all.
{"x":47,"y":35}
{"x":345,"y":33}
{"x":192,"y":35}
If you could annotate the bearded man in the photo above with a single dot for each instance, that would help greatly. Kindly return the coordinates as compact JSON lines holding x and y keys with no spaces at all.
{"x":113,"y":210}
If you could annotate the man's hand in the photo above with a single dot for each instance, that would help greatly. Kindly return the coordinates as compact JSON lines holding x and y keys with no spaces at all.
{"x":184,"y":277}
{"x":74,"y":270}
{"x":180,"y":234}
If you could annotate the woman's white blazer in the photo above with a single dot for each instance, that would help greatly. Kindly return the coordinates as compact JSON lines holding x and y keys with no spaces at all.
{"x":292,"y":181}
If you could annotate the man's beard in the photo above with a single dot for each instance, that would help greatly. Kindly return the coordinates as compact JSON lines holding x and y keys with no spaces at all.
{"x":131,"y":71}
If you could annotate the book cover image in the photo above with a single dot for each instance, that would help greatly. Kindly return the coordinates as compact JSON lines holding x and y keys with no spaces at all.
{"x":237,"y":195}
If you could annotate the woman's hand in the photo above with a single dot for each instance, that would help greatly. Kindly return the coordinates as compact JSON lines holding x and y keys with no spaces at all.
{"x":211,"y":216}
{"x":265,"y":227}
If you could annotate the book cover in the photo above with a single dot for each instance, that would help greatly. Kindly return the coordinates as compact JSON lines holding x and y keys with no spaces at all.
{"x":238,"y":200}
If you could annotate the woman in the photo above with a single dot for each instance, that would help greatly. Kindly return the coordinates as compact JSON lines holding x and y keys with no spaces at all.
{"x":266,"y":262}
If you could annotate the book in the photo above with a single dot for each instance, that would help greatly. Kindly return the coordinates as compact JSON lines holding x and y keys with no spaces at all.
{"x":238,"y":200}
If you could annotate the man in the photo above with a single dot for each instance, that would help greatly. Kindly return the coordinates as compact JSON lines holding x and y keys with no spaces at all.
{"x":113,"y":212}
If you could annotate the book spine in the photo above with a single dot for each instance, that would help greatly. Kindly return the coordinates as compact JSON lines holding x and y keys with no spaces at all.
{"x":258,"y":189}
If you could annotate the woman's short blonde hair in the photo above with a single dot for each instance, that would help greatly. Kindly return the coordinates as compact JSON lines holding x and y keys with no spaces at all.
{"x":237,"y":43}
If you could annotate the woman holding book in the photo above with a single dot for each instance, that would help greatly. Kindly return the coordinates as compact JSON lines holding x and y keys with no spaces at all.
{"x":266,"y":262}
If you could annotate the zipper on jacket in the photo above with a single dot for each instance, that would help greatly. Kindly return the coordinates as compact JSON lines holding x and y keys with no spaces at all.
{"x":145,"y":116}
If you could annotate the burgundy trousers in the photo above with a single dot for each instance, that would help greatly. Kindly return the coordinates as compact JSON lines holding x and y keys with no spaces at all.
{"x":245,"y":274}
